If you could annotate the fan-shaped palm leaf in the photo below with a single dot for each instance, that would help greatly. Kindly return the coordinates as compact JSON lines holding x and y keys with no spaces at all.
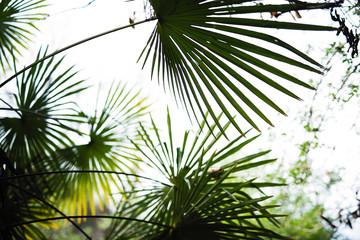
{"x":42,"y":105}
{"x":16,"y":22}
{"x":107,"y":149}
{"x":60,"y":180}
{"x":197,"y":48}
{"x":199,"y":201}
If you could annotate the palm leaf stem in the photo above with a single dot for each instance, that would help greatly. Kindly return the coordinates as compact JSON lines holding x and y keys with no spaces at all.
{"x":90,"y":216}
{"x":19,"y":110}
{"x":71,"y":46}
{"x":10,"y":108}
{"x":79,"y":171}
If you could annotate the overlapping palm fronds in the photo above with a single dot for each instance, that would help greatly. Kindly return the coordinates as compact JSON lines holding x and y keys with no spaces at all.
{"x":42,"y":104}
{"x":198,"y":51}
{"x":199,"y":198}
{"x":40,"y":141}
{"x":107,"y":149}
{"x":17,"y":19}
{"x":37,"y":122}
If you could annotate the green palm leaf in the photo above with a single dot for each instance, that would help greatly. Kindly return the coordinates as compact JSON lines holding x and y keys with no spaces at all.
{"x":197,"y":49}
{"x":107,"y":149}
{"x":16,"y":22}
{"x":34,"y":126}
{"x":199,"y":201}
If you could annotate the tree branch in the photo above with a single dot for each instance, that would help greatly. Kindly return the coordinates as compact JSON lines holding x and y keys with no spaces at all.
{"x":71,"y":46}
{"x":90,"y":216}
{"x":80,"y":171}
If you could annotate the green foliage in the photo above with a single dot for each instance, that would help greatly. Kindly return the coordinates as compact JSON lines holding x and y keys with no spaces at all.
{"x":42,"y":141}
{"x":301,"y":202}
{"x":16,"y":22}
{"x":200,"y":198}
{"x":52,"y":169}
{"x":107,"y":149}
{"x":197,"y":45}
{"x":308,"y":224}
{"x":38,"y":125}
{"x":20,"y":207}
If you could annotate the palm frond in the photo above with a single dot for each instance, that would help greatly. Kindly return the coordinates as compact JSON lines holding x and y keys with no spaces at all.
{"x":200,"y":201}
{"x":17,"y":19}
{"x":199,"y":53}
{"x":107,"y":148}
{"x":43,"y":103}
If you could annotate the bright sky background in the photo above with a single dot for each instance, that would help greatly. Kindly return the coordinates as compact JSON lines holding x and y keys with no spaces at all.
{"x":114,"y":57}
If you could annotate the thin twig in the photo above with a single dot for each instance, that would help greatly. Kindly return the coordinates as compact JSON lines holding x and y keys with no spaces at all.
{"x":81,"y":171}
{"x":71,"y":46}
{"x":10,"y":107}
{"x":90,"y":216}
